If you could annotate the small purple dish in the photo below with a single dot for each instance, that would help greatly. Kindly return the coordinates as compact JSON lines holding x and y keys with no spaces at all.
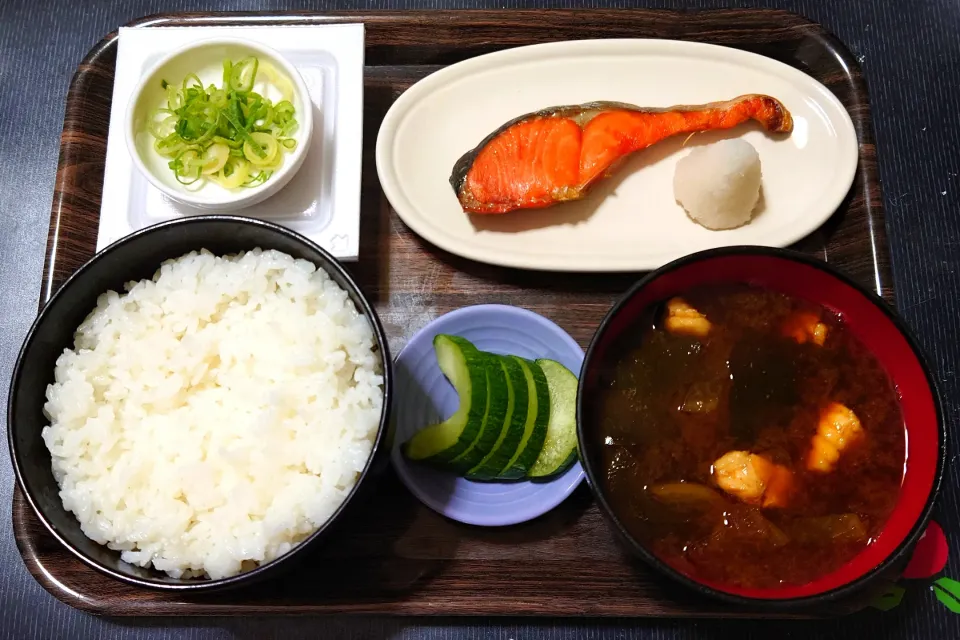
{"x":423,"y":396}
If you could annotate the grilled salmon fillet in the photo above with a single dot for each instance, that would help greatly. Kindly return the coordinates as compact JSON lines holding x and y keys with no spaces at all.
{"x":557,"y":154}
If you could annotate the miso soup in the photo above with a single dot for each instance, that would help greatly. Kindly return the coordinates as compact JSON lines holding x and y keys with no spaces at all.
{"x":749,"y":438}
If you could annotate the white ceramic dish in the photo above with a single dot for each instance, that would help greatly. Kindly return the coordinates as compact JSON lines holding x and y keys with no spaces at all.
{"x":322,"y":201}
{"x":631,"y":221}
{"x":205,"y":60}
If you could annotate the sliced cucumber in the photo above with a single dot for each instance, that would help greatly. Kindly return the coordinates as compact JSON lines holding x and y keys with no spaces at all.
{"x":560,"y":447}
{"x":514,"y":422}
{"x":535,"y":429}
{"x":516,"y":419}
{"x":464,"y":366}
{"x":493,"y":420}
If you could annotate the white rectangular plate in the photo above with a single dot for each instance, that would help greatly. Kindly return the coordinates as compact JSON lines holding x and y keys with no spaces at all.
{"x":322,"y":201}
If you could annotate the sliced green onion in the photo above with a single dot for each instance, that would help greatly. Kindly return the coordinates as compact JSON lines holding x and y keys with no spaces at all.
{"x":242,"y":133}
{"x":258,"y":179}
{"x":269,"y":147}
{"x":186,"y":87}
{"x":214,"y":158}
{"x":233,"y":174}
{"x":233,"y":144}
{"x":162,"y":128}
{"x":186,"y":166}
{"x":230,"y":134}
{"x":227,"y":72}
{"x":174,"y":99}
{"x":243,"y":74}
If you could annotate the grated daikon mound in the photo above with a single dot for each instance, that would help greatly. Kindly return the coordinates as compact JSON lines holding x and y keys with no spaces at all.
{"x":719,"y":184}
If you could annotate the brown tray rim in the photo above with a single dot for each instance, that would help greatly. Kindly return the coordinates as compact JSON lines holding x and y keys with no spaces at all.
{"x":871,"y":192}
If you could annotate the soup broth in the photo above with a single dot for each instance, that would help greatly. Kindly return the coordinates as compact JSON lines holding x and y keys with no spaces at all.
{"x":748,"y":438}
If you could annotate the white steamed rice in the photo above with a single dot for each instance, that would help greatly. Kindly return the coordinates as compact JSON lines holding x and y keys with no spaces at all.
{"x":214,"y":417}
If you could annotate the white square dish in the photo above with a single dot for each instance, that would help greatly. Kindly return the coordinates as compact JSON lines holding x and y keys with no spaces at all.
{"x":322,"y":201}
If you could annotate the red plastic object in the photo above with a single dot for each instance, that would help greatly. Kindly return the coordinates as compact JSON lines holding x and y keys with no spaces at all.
{"x":930,"y":555}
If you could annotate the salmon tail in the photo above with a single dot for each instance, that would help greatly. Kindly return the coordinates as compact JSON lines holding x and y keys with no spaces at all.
{"x":769,"y":112}
{"x":612,"y":135}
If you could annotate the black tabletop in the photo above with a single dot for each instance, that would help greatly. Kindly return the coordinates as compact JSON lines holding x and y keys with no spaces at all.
{"x":909,"y":51}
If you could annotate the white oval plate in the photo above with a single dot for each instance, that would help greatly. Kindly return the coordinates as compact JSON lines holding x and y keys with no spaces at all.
{"x":630,"y":222}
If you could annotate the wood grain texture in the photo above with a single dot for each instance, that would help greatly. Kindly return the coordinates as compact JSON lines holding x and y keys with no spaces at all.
{"x":396,"y":556}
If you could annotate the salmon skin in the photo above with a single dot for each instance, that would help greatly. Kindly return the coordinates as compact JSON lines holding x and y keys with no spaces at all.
{"x":555,"y":155}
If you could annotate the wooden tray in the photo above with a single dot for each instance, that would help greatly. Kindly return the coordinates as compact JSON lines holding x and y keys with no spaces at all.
{"x":396,"y":556}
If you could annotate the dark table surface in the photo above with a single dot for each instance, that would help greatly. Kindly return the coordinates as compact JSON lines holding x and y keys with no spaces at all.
{"x":909,"y":51}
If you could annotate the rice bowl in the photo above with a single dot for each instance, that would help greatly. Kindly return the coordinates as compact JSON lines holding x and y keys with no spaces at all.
{"x":209,"y":420}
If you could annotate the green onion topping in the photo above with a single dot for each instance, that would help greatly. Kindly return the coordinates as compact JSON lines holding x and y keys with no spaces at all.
{"x":229,"y":134}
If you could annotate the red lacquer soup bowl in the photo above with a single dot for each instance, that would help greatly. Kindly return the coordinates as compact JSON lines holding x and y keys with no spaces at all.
{"x":880,"y":330}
